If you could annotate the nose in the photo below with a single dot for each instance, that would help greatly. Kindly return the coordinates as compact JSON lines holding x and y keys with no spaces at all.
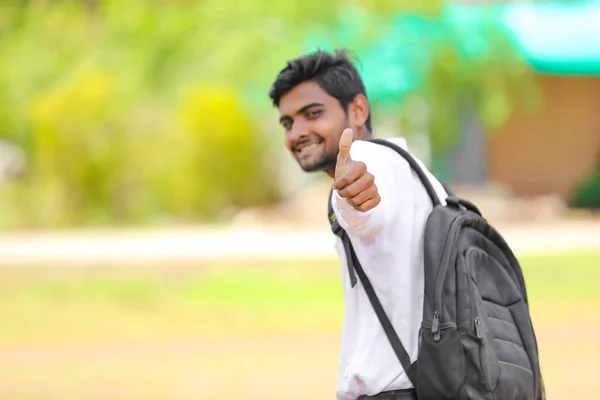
{"x":299,"y":130}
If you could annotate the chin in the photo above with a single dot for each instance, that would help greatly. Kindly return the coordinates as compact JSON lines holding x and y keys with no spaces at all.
{"x":314,"y":166}
{"x":310,"y":167}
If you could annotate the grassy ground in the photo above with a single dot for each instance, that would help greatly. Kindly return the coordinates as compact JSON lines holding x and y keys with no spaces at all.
{"x":268,"y":331}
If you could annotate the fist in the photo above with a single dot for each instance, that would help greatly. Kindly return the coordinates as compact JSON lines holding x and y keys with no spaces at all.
{"x":352,"y":180}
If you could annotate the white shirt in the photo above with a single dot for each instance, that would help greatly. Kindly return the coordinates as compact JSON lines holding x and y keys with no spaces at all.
{"x":388,"y":241}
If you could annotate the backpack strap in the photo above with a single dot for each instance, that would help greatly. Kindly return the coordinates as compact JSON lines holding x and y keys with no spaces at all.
{"x":414,"y":165}
{"x":341,"y":233}
{"x":354,"y":265}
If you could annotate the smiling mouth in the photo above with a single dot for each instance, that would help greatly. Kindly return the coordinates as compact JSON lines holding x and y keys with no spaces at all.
{"x":304,"y":149}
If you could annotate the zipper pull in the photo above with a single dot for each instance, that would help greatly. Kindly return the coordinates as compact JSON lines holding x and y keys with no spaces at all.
{"x":435,"y":326}
{"x":478,"y":328}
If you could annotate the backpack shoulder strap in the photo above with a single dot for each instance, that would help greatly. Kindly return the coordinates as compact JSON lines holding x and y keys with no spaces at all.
{"x":354,"y":265}
{"x":414,"y":165}
{"x":339,"y":231}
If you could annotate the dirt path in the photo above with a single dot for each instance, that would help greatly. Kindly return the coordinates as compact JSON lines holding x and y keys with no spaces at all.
{"x":192,"y":245}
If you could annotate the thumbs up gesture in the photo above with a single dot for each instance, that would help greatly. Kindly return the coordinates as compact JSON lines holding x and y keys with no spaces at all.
{"x":352,"y":180}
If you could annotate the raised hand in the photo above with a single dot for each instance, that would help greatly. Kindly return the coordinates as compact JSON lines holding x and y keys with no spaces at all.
{"x":352,"y":180}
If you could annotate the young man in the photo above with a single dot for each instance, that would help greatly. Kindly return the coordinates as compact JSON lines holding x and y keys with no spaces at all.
{"x":378,"y":201}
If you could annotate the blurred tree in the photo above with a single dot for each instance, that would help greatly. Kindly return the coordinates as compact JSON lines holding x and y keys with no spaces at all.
{"x":134,"y":112}
{"x":476,"y":69}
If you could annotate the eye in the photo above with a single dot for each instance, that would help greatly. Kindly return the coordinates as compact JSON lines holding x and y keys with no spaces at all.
{"x":287,"y":124}
{"x":313,"y":114}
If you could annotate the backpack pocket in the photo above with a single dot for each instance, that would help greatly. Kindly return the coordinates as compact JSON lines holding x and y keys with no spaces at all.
{"x":441,"y":365}
{"x":516,"y":375}
{"x":505,"y":363}
{"x":483,"y":372}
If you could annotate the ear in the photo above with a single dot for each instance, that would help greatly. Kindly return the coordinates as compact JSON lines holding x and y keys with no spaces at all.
{"x":358,"y":112}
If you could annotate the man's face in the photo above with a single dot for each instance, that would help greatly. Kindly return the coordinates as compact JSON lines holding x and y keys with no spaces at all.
{"x":313,"y":122}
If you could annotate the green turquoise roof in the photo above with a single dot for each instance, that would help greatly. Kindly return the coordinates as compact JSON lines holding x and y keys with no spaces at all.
{"x":554,"y":37}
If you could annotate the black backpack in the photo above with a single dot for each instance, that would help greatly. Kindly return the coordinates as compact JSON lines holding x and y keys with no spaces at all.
{"x":476,"y":339}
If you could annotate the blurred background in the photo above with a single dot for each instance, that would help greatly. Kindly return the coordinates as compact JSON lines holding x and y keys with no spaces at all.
{"x":157,"y":241}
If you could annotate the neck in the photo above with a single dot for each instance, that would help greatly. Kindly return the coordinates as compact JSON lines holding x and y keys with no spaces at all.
{"x":363,"y":134}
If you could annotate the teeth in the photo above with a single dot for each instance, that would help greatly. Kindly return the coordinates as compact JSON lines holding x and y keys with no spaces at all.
{"x":311,"y":146}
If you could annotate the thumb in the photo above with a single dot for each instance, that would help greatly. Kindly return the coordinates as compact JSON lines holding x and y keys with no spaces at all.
{"x":343,"y":158}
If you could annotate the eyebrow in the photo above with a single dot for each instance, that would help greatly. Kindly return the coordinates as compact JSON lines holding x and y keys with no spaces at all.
{"x":300,"y":111}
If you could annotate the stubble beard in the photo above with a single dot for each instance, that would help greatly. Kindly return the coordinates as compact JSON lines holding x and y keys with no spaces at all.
{"x":325,"y":163}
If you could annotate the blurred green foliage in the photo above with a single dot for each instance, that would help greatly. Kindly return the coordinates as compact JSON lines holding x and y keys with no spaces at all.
{"x":142,"y":112}
{"x":460,"y":61}
{"x":587,"y":194}
{"x":123,"y":117}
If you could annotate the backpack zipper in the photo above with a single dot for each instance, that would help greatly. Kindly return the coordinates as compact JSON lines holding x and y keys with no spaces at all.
{"x":474,"y":309}
{"x":435,"y":326}
{"x":449,"y":251}
{"x":478,"y":329}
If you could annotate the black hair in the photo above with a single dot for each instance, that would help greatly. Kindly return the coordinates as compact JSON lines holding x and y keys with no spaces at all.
{"x":334,"y":73}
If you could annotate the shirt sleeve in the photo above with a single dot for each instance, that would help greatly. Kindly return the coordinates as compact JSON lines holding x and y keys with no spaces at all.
{"x":390,"y":171}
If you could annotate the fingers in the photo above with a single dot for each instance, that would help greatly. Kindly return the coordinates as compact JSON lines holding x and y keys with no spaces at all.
{"x":343,"y":158}
{"x":363,"y":182}
{"x":357,"y":187}
{"x":354,"y":171}
{"x":363,"y":197}
{"x":369,"y":204}
{"x":352,"y":180}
